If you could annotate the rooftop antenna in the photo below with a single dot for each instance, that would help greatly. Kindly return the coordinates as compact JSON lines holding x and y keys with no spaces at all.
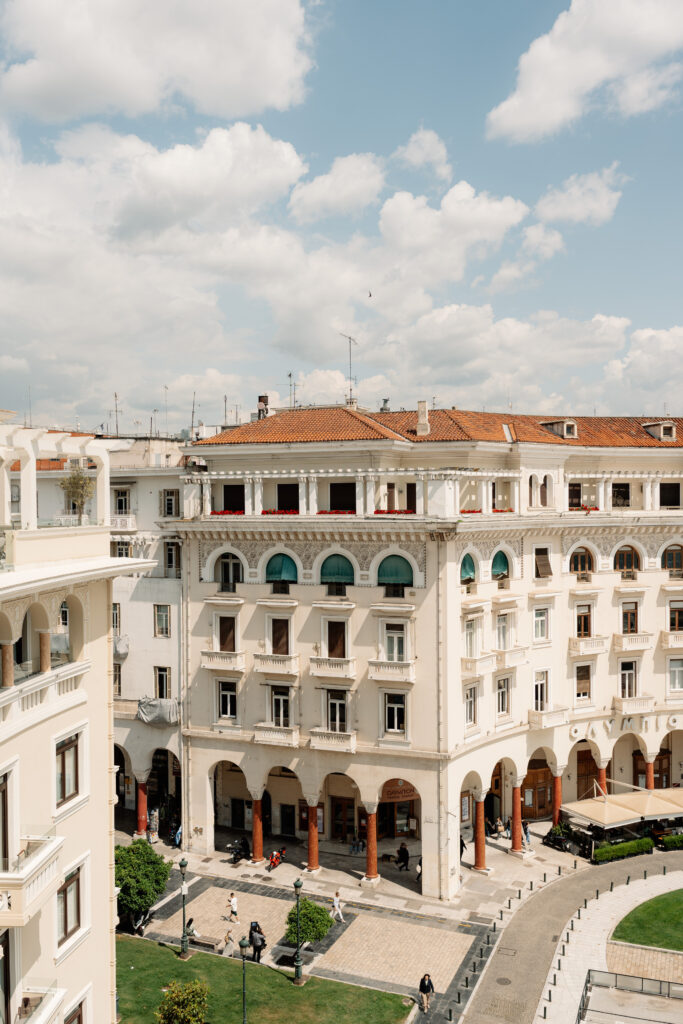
{"x":433,"y":402}
{"x":294,"y":387}
{"x":290,"y":389}
{"x":194,"y":393}
{"x":156,"y":428}
{"x":225,"y":409}
{"x":30,"y":413}
{"x":237,"y":413}
{"x":351,"y":341}
{"x":116,"y":412}
{"x":166,"y":406}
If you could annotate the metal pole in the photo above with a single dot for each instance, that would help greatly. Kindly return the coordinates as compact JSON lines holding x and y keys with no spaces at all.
{"x":297,"y":959}
{"x":244,"y":988}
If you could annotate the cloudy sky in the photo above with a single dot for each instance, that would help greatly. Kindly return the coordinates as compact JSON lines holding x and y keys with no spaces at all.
{"x":202,"y":196}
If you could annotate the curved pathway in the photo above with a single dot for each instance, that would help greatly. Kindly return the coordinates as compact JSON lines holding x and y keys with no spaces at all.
{"x":512,"y":985}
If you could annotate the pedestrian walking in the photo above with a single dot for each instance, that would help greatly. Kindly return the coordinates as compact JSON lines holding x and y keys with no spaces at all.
{"x":233,"y":909}
{"x":426,"y":992}
{"x":463,"y":846}
{"x":257,"y":941}
{"x":336,"y":908}
{"x":402,"y":857}
{"x":527,"y":833}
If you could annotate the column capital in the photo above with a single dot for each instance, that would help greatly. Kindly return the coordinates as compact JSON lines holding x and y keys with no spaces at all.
{"x":558,"y":770}
{"x":257,"y":794}
{"x":650,"y":756}
{"x":141,"y":775}
{"x":603,"y":762}
{"x":371,"y":806}
{"x":313,"y":801}
{"x":480,"y":795}
{"x":518,"y":780}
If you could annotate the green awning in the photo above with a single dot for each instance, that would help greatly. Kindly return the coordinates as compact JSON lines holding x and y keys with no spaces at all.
{"x":336,"y":569}
{"x":467,"y":573}
{"x":281,"y":568}
{"x":395,"y":570}
{"x":501,"y":566}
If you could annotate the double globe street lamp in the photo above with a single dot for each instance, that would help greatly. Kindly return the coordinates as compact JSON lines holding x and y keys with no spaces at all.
{"x":244,"y":947}
{"x":298,"y":971}
{"x":184,"y":941}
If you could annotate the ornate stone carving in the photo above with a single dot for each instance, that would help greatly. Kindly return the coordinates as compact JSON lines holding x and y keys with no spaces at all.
{"x":308,"y":551}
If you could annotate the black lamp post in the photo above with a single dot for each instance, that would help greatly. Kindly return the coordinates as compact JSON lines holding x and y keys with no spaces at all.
{"x":244,"y":947}
{"x":184,"y":941}
{"x":298,"y":973}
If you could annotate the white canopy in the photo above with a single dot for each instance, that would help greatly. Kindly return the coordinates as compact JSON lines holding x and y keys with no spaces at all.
{"x":619,"y":809}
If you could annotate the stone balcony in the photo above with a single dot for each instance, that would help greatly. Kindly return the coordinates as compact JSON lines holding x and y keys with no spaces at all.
{"x":633,"y":641}
{"x":224,"y":661}
{"x":391,"y":671}
{"x":642,"y":705}
{"x":548,"y":717}
{"x":31,"y":879}
{"x":123,"y":523}
{"x":479,"y":666}
{"x":510,"y":658}
{"x":41,"y":696}
{"x":585,"y":646}
{"x":671,"y":641}
{"x":277,"y":664}
{"x":276,"y":735}
{"x":325,"y":739}
{"x":41,"y":1001}
{"x":333,"y":668}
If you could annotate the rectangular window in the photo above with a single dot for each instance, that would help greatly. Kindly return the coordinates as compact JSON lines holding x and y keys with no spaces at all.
{"x":116,"y":619}
{"x":411,"y":497}
{"x":502,"y":633}
{"x":583,"y":620}
{"x":583,"y":682}
{"x":676,"y":616}
{"x":676,"y":675}
{"x":120,"y":549}
{"x":172,"y":560}
{"x":575,"y":495}
{"x":170,"y":503}
{"x":669,"y":495}
{"x":280,"y":706}
{"x":627,"y":679}
{"x":542,"y":563}
{"x":395,"y":712}
{"x":541,"y":622}
{"x":162,"y":620}
{"x":279,"y":633}
{"x":471,"y":706}
{"x":122,"y":502}
{"x":503,"y":697}
{"x":227,"y":699}
{"x":336,"y":711}
{"x":621,"y":495}
{"x":162,"y":682}
{"x":288,"y":497}
{"x":69,"y":906}
{"x":395,"y":637}
{"x":67,"y":769}
{"x":629,"y":617}
{"x":541,"y":691}
{"x":336,"y":639}
{"x":343,"y":497}
{"x":470,"y":638}
{"x":233,"y":497}
{"x":226,"y":634}
{"x":116,"y":677}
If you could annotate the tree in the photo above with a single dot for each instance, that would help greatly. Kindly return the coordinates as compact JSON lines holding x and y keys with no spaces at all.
{"x":141,"y":877}
{"x":314,"y":922}
{"x":184,"y":1004}
{"x":78,"y":488}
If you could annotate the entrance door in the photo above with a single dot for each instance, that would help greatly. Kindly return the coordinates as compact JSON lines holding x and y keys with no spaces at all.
{"x":342,"y":817}
{"x":537,"y":791}
{"x":586,"y":774}
{"x":267,"y":814}
{"x":237,"y":813}
{"x":4,"y":979}
{"x":287,"y":820}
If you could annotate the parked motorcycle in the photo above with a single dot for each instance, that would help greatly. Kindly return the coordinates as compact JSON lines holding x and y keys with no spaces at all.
{"x":276,"y":857}
{"x":239,"y":850}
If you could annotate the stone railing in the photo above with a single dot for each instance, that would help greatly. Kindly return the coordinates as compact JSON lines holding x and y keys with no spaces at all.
{"x":548,"y":718}
{"x":671,"y":640}
{"x":276,"y":735}
{"x":277,"y":664}
{"x":333,"y":668}
{"x":633,"y":641}
{"x":326,"y":739}
{"x":392,"y":671}
{"x":587,"y":645}
{"x":224,"y":661}
{"x":634,"y":705}
{"x":31,"y":879}
{"x":41,"y":694}
{"x":123,"y":523}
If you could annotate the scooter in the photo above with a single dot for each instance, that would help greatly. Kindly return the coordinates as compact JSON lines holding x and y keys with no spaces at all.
{"x":235,"y":852}
{"x":276,"y":857}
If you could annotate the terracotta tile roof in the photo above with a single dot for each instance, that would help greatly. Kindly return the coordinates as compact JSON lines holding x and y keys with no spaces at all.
{"x":42,"y":465}
{"x":325,"y":423}
{"x":338,"y":423}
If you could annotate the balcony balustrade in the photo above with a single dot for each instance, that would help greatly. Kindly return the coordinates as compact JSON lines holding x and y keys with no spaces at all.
{"x":670,"y":640}
{"x":583,"y":646}
{"x":510,"y":658}
{"x":392,"y":671}
{"x":276,"y":735}
{"x":479,"y":665}
{"x":633,"y":641}
{"x":41,"y":695}
{"x":277,"y":664}
{"x":333,"y":668}
{"x":31,"y":879}
{"x":548,"y":717}
{"x":642,"y":705}
{"x":326,"y":739}
{"x":41,"y":1001}
{"x":224,"y":661}
{"x":123,"y":523}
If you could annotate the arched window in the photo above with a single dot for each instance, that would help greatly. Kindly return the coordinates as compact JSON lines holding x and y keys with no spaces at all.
{"x":281,"y":571}
{"x":672,"y":559}
{"x":467,"y":570}
{"x":581,"y":562}
{"x":500,"y":567}
{"x":228,"y":572}
{"x":627,"y":562}
{"x":531,"y":492}
{"x":394,"y":574}
{"x":337,"y":572}
{"x":543,"y":492}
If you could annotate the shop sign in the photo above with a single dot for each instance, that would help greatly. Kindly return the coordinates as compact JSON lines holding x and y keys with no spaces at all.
{"x":396,"y":790}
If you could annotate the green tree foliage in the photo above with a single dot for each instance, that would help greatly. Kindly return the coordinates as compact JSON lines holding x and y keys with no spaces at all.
{"x":315,"y":922}
{"x":78,"y":488}
{"x":141,"y":877}
{"x":184,"y":1004}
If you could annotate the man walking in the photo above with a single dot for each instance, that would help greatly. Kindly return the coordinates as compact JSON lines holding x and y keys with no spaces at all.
{"x":527,"y":834}
{"x":463,"y":846}
{"x":233,"y":909}
{"x":336,"y":908}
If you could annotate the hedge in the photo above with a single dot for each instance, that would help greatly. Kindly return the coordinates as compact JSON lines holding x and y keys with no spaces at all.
{"x":606,"y":853}
{"x":672,"y":842}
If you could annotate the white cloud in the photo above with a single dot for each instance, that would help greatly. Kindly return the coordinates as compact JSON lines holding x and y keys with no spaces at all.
{"x":426,"y":149}
{"x":539,"y":242}
{"x":509,"y":274}
{"x":596,"y":43}
{"x":13,"y":364}
{"x":542,"y":241}
{"x":352,"y":183}
{"x":226,"y":58}
{"x":583,"y":198}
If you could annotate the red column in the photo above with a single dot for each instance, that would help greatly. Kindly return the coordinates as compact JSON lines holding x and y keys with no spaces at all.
{"x":557,"y":797}
{"x":516,"y":819}
{"x":142,"y":808}
{"x":313,"y":863}
{"x":45,"y":659}
{"x":7,"y":651}
{"x":256,"y":832}
{"x":371,"y":848}
{"x":479,"y":837}
{"x":649,"y":775}
{"x":602,"y":779}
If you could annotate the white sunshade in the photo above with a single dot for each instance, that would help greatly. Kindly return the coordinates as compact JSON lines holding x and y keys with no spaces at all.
{"x":617,"y":810}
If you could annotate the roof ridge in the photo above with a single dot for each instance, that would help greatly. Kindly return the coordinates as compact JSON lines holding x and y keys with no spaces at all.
{"x":369,"y":420}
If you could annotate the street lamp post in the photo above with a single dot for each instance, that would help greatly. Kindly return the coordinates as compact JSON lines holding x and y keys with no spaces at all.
{"x":244,"y":946}
{"x":184,"y":941}
{"x":298,"y":973}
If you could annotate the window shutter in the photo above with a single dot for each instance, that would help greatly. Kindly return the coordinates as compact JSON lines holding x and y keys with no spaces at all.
{"x":336,"y":640}
{"x":280,"y":636}
{"x":542,"y":565}
{"x":226,"y":631}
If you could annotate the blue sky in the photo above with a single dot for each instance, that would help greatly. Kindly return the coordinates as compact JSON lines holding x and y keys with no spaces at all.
{"x":200,"y":197}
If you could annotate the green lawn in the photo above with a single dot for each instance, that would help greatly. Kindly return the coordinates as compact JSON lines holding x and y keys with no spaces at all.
{"x":143,"y":968}
{"x":659,"y":922}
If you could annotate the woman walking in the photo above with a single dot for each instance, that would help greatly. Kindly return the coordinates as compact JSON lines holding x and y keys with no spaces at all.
{"x":426,"y":992}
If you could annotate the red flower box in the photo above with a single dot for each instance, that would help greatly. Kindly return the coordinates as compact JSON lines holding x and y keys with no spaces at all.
{"x":394,"y":512}
{"x":227,"y":512}
{"x":280,"y":512}
{"x":502,"y":510}
{"x":470,"y":511}
{"x":336,"y":512}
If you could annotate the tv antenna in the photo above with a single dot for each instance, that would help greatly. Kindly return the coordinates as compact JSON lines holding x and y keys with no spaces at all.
{"x":166,"y":406}
{"x":116,"y":412}
{"x":194,"y":395}
{"x":351,"y":341}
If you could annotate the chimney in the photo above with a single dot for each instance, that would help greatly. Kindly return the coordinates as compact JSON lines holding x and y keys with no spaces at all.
{"x":385,"y":405}
{"x":423,"y":427}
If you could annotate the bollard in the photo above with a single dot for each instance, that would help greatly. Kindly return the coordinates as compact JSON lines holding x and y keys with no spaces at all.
{"x":545,"y":1008}
{"x":474,"y":967}
{"x":519,"y":894}
{"x":559,"y":964}
{"x":645,"y":873}
{"x":664,"y":870}
{"x":628,"y":879}
{"x":545,"y":877}
{"x":578,"y":913}
{"x":575,"y":865}
{"x":494,"y":926}
{"x":457,"y":999}
{"x":550,"y":995}
{"x":481,"y":952}
{"x":567,"y":939}
{"x":450,"y":1014}
{"x":585,"y":904}
{"x":597,"y":894}
{"x":571,"y":924}
{"x":531,"y":886}
{"x":501,"y":914}
{"x":510,"y":903}
{"x":559,"y":870}
{"x":611,"y":887}
{"x":554,"y":979}
{"x":564,"y":949}
{"x":467,"y":982}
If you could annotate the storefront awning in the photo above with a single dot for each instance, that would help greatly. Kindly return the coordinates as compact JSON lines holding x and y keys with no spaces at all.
{"x":620,"y":809}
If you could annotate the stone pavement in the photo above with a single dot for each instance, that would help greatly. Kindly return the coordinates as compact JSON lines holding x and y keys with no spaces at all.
{"x":645,"y":961}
